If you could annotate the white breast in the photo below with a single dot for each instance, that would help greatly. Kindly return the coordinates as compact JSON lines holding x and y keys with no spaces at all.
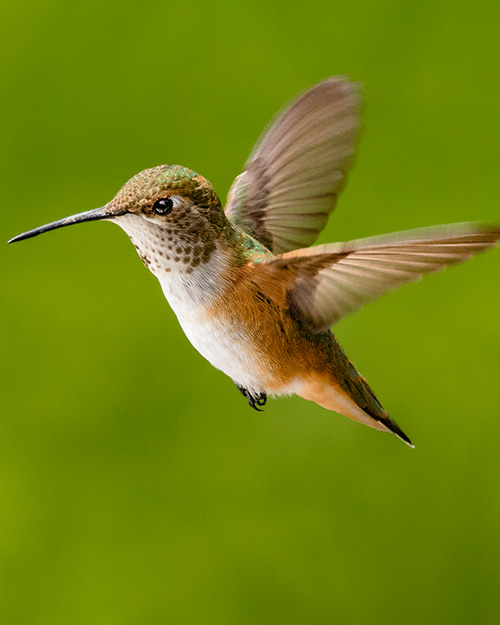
{"x":225,"y":345}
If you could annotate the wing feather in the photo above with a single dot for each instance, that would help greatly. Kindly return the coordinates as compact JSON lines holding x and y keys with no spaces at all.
{"x":327,"y":282}
{"x":298,"y":168}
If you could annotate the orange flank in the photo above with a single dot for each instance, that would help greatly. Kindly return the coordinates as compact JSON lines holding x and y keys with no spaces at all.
{"x":289,"y":357}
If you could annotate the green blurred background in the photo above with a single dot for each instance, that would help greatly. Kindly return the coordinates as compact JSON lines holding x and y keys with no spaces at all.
{"x":136,"y":486}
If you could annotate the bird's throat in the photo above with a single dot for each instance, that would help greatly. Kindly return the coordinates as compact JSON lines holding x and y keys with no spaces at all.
{"x":193,"y":270}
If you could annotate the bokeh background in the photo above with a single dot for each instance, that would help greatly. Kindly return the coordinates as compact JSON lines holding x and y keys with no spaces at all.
{"x":136,"y":486}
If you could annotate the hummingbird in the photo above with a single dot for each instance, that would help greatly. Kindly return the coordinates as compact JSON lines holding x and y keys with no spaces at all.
{"x":249,"y":291}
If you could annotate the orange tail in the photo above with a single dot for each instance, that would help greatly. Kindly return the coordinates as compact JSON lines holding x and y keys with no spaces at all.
{"x":343,"y":389}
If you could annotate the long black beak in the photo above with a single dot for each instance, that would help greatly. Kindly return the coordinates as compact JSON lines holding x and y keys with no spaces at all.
{"x":93,"y":215}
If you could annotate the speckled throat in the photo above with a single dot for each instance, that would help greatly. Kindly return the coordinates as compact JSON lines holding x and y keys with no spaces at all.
{"x":193,"y":248}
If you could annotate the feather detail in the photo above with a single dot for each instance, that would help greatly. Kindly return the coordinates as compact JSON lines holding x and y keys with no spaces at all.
{"x":298,"y":168}
{"x":327,"y":282}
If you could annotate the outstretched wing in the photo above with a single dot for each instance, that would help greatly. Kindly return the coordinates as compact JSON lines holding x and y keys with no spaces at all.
{"x":325,"y":283}
{"x":297,"y":169}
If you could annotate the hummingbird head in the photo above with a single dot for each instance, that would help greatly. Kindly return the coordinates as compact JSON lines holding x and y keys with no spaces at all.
{"x":172,"y":215}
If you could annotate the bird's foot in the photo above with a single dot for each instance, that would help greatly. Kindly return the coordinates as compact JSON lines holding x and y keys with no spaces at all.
{"x":254,"y":400}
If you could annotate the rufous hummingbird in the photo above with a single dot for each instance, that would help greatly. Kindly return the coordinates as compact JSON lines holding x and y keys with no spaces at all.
{"x":251,"y":295}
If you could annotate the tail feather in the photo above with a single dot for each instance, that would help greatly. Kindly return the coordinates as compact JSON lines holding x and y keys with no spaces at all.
{"x":343,"y":389}
{"x":394,"y":427}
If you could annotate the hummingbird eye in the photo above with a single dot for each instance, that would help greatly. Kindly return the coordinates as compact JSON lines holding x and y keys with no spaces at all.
{"x":163,"y":206}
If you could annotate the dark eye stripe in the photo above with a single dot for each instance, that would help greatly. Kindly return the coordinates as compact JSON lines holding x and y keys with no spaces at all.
{"x":163,"y":206}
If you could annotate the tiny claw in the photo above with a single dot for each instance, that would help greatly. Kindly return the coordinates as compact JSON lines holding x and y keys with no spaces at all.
{"x":254,"y":401}
{"x":261,"y":399}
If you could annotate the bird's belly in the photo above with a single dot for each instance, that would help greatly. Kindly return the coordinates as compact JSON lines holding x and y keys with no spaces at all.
{"x":226,"y":346}
{"x":227,"y":350}
{"x":225,"y":340}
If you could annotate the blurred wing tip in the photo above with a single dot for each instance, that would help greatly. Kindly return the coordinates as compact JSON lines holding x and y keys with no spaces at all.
{"x":351,"y":87}
{"x":431,"y":234}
